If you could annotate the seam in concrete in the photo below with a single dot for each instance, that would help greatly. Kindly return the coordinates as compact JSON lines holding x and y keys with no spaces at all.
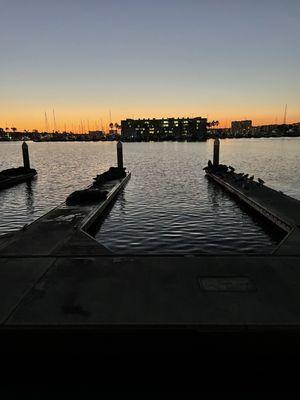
{"x":26,"y":292}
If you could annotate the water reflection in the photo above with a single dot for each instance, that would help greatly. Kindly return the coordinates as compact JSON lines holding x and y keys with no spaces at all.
{"x":122,"y":203}
{"x":214,"y":194}
{"x":29,"y":197}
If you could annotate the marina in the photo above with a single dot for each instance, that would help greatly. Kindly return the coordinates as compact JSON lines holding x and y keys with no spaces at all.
{"x":149,"y":197}
{"x":54,"y":274}
{"x":66,"y":295}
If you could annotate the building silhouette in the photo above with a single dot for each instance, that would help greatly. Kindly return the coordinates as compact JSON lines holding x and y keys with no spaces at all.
{"x":164,"y":129}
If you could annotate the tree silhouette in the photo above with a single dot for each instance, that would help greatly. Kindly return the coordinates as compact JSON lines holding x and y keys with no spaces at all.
{"x":14,"y":129}
{"x":213,"y":123}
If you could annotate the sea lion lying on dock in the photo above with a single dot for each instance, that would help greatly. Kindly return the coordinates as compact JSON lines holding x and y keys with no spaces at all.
{"x":110,"y":175}
{"x":86,"y":196}
{"x":216,"y":169}
{"x":14,"y":172}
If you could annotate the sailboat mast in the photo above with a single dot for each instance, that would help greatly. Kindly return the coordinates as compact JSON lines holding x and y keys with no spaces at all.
{"x":54,"y":121}
{"x":46,"y":123}
{"x":285,"y":112}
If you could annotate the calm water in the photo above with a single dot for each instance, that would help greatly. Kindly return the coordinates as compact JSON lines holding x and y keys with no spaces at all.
{"x":168,"y":206}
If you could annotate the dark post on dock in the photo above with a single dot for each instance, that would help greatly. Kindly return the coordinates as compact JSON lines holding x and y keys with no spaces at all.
{"x":120,"y":154}
{"x":216,"y":151}
{"x":26,"y":161}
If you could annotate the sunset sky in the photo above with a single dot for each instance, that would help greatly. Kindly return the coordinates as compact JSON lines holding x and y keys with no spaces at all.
{"x":225,"y":59}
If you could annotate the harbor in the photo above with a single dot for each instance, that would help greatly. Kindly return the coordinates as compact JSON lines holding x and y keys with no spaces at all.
{"x":67,"y":295}
{"x":149,"y":197}
{"x":55,"y":274}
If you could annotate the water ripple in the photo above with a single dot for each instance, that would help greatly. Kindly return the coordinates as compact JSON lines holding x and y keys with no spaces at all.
{"x":168,"y":205}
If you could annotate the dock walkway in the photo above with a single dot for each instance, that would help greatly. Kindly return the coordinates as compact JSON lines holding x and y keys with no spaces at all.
{"x":278,"y":208}
{"x":63,"y":230}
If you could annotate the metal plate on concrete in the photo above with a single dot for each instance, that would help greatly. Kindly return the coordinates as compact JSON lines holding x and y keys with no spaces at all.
{"x":226,"y":284}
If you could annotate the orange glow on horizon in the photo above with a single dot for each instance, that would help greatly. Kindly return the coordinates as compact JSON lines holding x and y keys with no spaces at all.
{"x":92,"y":120}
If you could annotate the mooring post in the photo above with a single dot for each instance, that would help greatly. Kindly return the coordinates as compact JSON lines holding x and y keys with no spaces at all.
{"x":216,"y":151}
{"x":120,"y":154}
{"x":26,"y":160}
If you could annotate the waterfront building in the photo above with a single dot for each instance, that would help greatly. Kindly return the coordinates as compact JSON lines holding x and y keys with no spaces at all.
{"x":241,"y":127}
{"x":164,"y":129}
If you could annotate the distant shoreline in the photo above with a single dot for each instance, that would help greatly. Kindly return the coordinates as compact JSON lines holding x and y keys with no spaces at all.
{"x":146,"y":141}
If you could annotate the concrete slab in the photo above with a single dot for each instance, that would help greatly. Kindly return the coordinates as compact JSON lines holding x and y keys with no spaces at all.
{"x":5,"y":240}
{"x":38,"y":240}
{"x":17,"y":277}
{"x":290,"y":244}
{"x":164,"y":290}
{"x":80,"y":244}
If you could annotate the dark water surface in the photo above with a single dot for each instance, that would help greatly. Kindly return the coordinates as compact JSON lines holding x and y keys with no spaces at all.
{"x":168,"y":205}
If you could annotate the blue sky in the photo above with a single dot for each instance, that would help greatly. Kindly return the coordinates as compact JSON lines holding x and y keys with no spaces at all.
{"x":225,"y":59}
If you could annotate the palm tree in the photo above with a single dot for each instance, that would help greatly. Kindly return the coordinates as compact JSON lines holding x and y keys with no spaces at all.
{"x":14,"y":129}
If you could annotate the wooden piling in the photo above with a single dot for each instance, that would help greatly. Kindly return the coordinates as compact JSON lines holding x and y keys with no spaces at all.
{"x":120,"y":154}
{"x":26,"y":161}
{"x":216,"y":151}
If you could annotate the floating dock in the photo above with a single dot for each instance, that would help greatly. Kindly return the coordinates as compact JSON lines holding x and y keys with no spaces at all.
{"x":278,"y":208}
{"x":14,"y":176}
{"x":63,"y":230}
